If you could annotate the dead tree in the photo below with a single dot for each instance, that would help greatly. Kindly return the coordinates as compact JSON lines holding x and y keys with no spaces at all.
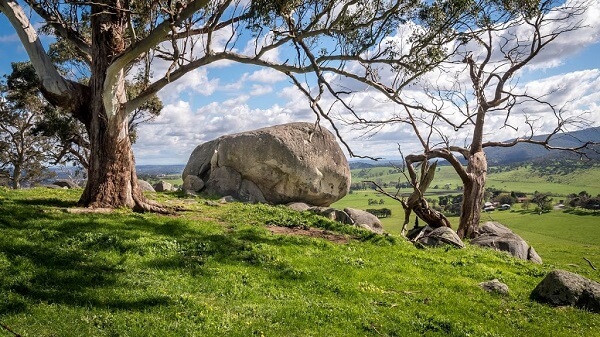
{"x":416,"y":201}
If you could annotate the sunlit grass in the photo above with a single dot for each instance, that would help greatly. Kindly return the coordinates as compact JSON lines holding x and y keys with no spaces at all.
{"x":218,"y":271}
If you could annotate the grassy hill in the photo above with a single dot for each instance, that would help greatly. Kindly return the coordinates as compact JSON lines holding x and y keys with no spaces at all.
{"x":525,"y":178}
{"x":222,"y":270}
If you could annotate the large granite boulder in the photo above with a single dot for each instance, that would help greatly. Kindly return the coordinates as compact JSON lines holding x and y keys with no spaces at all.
{"x":562,"y":288}
{"x":293,"y":162}
{"x":495,"y":235}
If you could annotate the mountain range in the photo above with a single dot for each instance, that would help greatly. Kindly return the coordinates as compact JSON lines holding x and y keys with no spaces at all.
{"x":525,"y":152}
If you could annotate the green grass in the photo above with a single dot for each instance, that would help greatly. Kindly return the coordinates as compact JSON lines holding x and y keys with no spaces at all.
{"x":218,"y":271}
{"x":562,"y":238}
{"x":521,"y":179}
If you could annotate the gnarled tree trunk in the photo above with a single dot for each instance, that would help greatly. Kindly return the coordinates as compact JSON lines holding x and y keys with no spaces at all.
{"x":473,"y":193}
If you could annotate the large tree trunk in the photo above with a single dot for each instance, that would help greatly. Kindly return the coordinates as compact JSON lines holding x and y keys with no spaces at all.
{"x":473,"y":194}
{"x":112,"y":180}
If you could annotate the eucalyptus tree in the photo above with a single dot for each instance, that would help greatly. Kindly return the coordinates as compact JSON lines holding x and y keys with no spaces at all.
{"x":474,"y":93}
{"x":113,"y":39}
{"x":23,"y":152}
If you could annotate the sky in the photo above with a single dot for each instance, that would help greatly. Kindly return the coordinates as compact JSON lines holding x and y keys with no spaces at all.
{"x":227,"y":98}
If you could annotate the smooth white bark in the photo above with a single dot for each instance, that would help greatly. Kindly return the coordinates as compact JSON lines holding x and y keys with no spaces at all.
{"x":47,"y":73}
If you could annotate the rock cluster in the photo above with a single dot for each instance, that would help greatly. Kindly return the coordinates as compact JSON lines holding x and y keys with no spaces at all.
{"x":348,"y":216}
{"x":495,"y":235}
{"x":294,"y":162}
{"x":435,"y":237}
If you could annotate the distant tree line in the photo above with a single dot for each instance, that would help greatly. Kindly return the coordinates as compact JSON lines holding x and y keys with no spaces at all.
{"x":584,"y":200}
{"x":381,"y":212}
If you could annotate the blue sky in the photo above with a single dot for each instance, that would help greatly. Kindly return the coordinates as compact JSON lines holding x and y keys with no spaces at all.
{"x":227,"y":98}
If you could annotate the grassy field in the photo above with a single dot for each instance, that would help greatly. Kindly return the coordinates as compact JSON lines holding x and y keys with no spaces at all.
{"x":522,"y":179}
{"x":219,"y":271}
{"x":561,"y":238}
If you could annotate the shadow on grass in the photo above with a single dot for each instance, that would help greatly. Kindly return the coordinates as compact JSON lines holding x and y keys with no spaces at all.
{"x":582,"y":212}
{"x":46,"y":202}
{"x":82,"y":260}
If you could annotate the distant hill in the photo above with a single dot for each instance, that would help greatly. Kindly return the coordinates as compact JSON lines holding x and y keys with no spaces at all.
{"x":525,"y":152}
{"x":159,"y":169}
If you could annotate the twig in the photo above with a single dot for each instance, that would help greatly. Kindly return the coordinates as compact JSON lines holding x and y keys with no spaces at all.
{"x":7,"y":328}
{"x":591,"y":264}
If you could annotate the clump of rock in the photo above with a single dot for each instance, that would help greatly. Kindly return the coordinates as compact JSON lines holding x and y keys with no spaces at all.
{"x":495,"y":235}
{"x":563,"y":288}
{"x":435,"y":237}
{"x":65,"y":183}
{"x":145,"y":186}
{"x":348,"y":216}
{"x":494,"y":286}
{"x":294,"y":162}
{"x":163,"y":186}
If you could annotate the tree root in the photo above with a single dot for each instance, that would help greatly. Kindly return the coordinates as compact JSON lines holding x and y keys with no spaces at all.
{"x":143,"y":205}
{"x":590,"y":263}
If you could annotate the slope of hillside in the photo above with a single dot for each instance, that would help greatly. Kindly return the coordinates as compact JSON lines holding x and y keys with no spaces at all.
{"x":524,"y":152}
{"x":220,"y":271}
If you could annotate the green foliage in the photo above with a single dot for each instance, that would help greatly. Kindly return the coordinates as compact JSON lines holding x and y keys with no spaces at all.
{"x":23,"y":152}
{"x":543,"y":202}
{"x":217,"y":270}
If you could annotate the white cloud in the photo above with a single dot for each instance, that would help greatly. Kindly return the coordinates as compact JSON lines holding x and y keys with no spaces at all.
{"x":258,"y":89}
{"x":267,"y":75}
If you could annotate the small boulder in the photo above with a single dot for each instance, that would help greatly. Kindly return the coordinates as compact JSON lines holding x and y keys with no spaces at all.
{"x":365,"y":220}
{"x":163,"y":186}
{"x":227,"y":199}
{"x":495,"y":235}
{"x":298,"y":206}
{"x":193,"y":184}
{"x":65,"y":183}
{"x":435,"y":237}
{"x":333,"y":214}
{"x":494,"y":286}
{"x":145,"y":186}
{"x":560,"y":288}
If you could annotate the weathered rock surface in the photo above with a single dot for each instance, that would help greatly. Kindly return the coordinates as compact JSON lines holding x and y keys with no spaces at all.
{"x":562,"y":288}
{"x":494,"y":286}
{"x":435,"y":237}
{"x":495,"y":235}
{"x":163,"y":186}
{"x":365,"y":220}
{"x":65,"y":183}
{"x":192,"y":184}
{"x":333,"y":214}
{"x":145,"y":186}
{"x":281,"y":164}
{"x":298,"y":206}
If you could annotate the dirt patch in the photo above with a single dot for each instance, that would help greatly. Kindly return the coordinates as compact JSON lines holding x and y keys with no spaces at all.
{"x":310,"y":232}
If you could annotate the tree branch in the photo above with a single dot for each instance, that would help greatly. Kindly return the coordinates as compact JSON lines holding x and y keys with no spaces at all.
{"x":62,"y":29}
{"x":50,"y":79}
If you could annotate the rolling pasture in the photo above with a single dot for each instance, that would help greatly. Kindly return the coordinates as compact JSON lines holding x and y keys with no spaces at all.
{"x":562,"y":237}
